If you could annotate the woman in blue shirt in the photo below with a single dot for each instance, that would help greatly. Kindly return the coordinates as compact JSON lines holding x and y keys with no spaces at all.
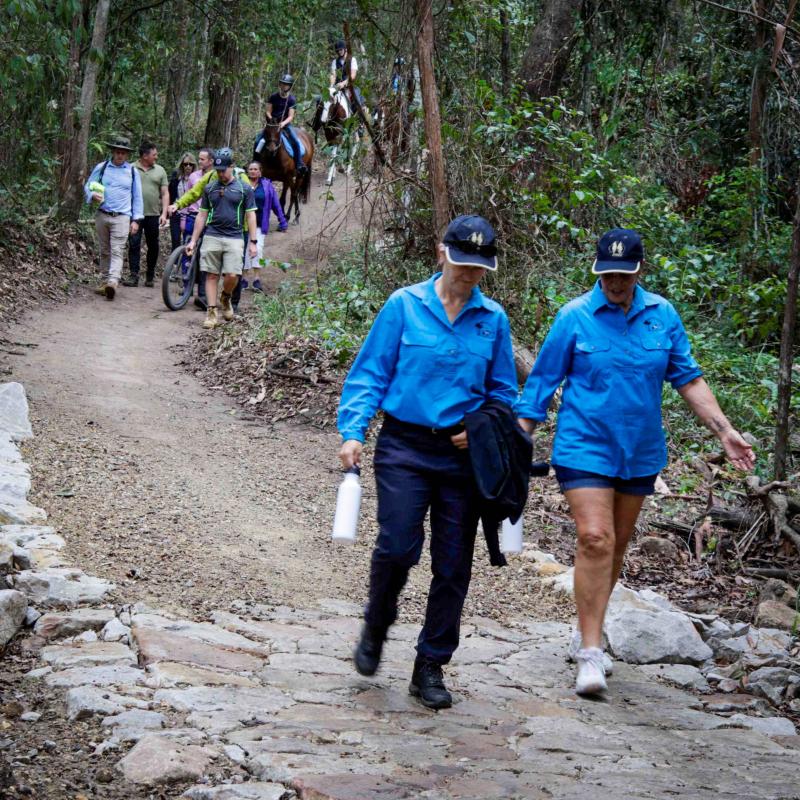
{"x":437,"y":351}
{"x":613,"y":348}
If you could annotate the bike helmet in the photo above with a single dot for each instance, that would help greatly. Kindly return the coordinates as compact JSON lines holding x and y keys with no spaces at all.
{"x":286,"y":78}
{"x":223,"y":157}
{"x":340,"y":45}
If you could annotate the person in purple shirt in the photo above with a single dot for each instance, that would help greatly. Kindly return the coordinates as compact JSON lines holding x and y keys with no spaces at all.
{"x":267,"y":203}
{"x":281,"y":110}
{"x":613,"y":348}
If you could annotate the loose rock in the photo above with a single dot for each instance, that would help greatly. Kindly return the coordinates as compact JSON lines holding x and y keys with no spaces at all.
{"x":658,"y":547}
{"x":13,"y":606}
{"x":639,"y":636}
{"x":155,"y":761}
{"x":775,"y":614}
{"x":60,"y":624}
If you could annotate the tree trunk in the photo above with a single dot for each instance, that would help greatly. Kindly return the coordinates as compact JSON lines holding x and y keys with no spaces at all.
{"x":505,"y":52}
{"x":69,"y":116}
{"x":759,"y":83}
{"x":433,"y":124}
{"x":76,"y":162}
{"x":787,"y":352}
{"x":224,"y":81}
{"x":545,"y":61}
{"x":202,"y":57}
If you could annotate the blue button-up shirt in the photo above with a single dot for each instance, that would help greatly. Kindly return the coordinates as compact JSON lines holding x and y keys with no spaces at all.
{"x":613,"y":366}
{"x":421,"y":368}
{"x":120,"y":197}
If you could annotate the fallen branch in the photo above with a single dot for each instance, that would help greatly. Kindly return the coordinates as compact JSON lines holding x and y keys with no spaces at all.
{"x":771,"y":572}
{"x":298,"y":376}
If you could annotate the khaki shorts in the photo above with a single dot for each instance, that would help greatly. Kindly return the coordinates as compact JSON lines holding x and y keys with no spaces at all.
{"x":222,"y":255}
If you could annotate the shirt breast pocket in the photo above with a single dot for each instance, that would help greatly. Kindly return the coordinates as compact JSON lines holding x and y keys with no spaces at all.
{"x":589,"y":347}
{"x":481,"y":346}
{"x":590,"y":358}
{"x":419,"y":351}
{"x":656,"y":348}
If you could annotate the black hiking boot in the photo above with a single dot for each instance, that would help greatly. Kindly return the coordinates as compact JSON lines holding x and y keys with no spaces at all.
{"x":131,"y":281}
{"x":367,"y":655}
{"x":200,"y":302}
{"x":427,"y":683}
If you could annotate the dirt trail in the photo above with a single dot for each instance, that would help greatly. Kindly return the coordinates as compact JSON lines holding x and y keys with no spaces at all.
{"x":163,"y":487}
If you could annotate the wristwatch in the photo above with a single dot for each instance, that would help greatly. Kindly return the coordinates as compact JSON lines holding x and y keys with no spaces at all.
{"x":254,"y":241}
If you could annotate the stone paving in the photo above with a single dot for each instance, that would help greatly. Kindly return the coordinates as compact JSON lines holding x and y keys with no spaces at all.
{"x":274,"y":691}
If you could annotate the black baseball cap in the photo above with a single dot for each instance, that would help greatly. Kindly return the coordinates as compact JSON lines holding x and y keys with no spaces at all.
{"x":470,"y":241}
{"x":619,"y":250}
{"x":223,"y":161}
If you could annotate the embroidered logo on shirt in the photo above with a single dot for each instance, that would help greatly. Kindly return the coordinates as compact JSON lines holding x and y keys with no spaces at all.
{"x":487,"y":333}
{"x":617,"y":249}
{"x":652,"y":324}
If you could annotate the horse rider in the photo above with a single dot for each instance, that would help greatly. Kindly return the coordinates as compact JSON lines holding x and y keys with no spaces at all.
{"x":281,"y":110}
{"x":344,"y":70}
{"x":397,"y":80}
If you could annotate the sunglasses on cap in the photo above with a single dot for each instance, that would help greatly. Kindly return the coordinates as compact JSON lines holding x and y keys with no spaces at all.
{"x":472,"y":248}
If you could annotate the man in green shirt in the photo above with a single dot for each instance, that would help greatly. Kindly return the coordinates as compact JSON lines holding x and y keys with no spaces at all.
{"x":155,"y":193}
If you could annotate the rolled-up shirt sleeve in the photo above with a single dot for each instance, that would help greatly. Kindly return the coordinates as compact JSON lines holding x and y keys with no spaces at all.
{"x":682,"y":366}
{"x":549,"y":370}
{"x":137,"y":202}
{"x":371,"y":373}
{"x":501,"y":381}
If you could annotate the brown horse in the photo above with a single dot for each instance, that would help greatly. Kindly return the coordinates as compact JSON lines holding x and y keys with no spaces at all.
{"x":392,"y":124}
{"x":333,"y":126}
{"x":277,"y":164}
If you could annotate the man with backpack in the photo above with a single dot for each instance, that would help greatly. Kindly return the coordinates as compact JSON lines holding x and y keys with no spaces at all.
{"x":228,"y":206}
{"x":117,"y":189}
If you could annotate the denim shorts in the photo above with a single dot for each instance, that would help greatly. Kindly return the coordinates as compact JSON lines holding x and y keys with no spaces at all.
{"x":569,"y":478}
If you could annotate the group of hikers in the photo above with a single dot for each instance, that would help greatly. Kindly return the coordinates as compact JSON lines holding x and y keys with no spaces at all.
{"x":208,"y":197}
{"x":438,"y":362}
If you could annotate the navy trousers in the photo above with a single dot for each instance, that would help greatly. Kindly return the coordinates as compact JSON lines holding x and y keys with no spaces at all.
{"x":417,"y":471}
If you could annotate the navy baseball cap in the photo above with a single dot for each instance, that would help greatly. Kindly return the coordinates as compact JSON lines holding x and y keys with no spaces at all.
{"x":222,"y":161}
{"x":470,"y":241}
{"x":619,"y":250}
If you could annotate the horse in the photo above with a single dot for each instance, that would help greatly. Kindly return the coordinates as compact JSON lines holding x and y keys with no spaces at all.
{"x":277,"y":164}
{"x":392,"y":125}
{"x":331,"y":117}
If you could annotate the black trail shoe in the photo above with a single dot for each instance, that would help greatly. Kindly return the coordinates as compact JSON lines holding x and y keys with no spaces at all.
{"x":368,"y":651}
{"x":427,"y":683}
{"x":130,"y":282}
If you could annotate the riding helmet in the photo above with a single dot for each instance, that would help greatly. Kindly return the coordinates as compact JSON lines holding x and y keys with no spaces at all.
{"x":340,"y":45}
{"x":287,"y":78}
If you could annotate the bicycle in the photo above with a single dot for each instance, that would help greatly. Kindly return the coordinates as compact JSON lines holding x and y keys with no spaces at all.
{"x":179,"y":276}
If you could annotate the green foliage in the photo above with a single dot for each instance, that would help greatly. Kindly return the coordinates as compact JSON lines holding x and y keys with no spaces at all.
{"x":336,"y":310}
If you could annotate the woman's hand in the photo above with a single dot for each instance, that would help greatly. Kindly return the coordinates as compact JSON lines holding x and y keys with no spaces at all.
{"x":460,"y":440}
{"x":350,"y":454}
{"x":738,"y":451}
{"x":526,"y":424}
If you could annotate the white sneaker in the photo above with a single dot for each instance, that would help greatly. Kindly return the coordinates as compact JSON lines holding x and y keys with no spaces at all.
{"x":575,"y":644}
{"x":591,"y":675}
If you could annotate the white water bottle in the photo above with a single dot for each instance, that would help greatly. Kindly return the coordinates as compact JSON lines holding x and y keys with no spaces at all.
{"x":511,"y":536}
{"x":348,"y":504}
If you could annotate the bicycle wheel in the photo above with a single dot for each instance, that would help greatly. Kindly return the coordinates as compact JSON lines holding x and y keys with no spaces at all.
{"x":178,"y":279}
